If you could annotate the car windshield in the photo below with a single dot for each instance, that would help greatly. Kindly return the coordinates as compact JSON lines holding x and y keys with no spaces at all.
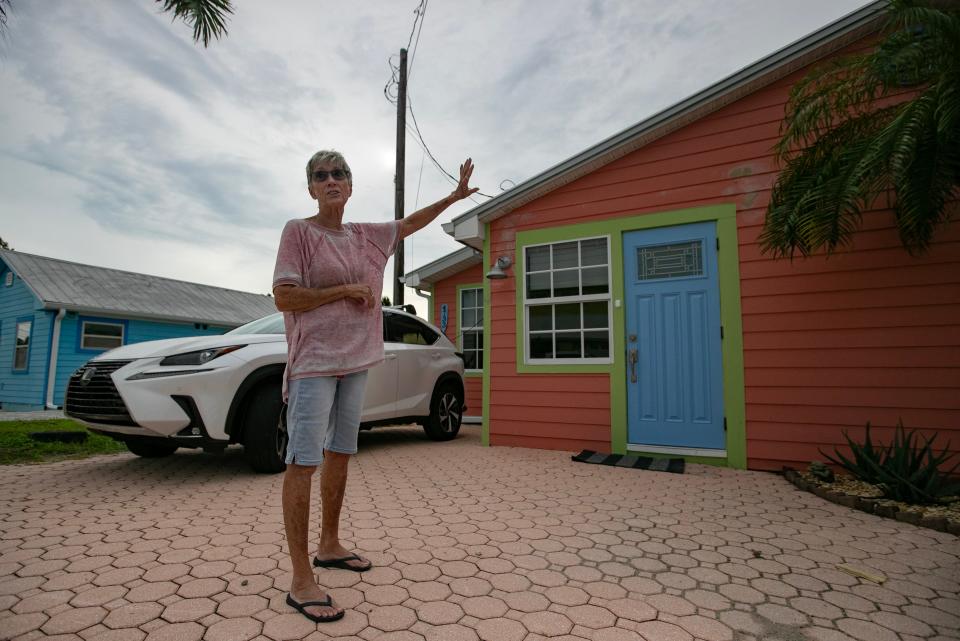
{"x":272,"y":324}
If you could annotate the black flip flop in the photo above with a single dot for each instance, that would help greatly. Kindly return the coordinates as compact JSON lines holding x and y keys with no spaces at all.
{"x":302,"y":609}
{"x":341,"y":564}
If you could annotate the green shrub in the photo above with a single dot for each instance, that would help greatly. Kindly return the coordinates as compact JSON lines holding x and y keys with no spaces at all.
{"x":906,"y":470}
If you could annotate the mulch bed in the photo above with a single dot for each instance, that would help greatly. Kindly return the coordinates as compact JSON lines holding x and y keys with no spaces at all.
{"x":868,"y":498}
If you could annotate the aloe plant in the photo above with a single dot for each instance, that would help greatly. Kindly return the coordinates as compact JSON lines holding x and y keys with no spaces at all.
{"x":908,"y":469}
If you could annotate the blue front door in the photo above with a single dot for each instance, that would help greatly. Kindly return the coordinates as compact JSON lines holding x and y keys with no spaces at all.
{"x":674,"y":372}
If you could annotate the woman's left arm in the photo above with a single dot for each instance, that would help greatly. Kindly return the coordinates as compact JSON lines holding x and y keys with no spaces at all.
{"x":423,"y":217}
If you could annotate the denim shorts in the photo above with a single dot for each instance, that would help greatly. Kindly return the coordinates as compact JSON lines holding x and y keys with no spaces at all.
{"x":324,"y":414}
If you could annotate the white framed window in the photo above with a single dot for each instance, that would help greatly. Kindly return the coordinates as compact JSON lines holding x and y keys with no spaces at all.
{"x":471,"y":328}
{"x":21,"y":350}
{"x":100,"y":335}
{"x":567,"y":315}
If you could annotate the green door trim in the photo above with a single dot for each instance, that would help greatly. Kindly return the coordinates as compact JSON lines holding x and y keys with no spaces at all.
{"x":730,"y":318}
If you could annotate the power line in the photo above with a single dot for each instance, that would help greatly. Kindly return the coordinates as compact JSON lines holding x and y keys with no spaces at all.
{"x":390,"y":91}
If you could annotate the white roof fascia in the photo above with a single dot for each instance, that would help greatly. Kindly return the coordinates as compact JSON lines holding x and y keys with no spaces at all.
{"x":749,"y":79}
{"x":442,"y":267}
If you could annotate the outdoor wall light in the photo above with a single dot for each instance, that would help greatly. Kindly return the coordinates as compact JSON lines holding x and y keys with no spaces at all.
{"x":497,"y":272}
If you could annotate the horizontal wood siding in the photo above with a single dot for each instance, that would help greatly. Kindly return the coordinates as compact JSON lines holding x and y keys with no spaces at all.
{"x":868,"y":334}
{"x":21,"y":390}
{"x":445,"y":291}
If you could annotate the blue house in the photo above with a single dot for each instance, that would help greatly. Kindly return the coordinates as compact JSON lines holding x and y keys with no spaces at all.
{"x":56,"y":315}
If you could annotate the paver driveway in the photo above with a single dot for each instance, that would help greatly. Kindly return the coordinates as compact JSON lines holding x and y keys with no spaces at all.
{"x":469,"y":542}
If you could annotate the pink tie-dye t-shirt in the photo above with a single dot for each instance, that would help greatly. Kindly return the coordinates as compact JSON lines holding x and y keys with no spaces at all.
{"x":343,"y":336}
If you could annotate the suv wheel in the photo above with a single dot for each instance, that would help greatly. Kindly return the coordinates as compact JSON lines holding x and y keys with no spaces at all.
{"x":150,"y":448}
{"x":265,"y":430}
{"x":446,"y":412}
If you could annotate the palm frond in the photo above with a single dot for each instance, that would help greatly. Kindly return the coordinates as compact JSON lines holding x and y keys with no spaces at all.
{"x":886,"y":122}
{"x":207,"y":17}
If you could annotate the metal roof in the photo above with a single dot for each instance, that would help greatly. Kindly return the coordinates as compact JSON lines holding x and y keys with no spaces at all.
{"x":100,"y":290}
{"x":443,"y":267}
{"x":468,"y":227}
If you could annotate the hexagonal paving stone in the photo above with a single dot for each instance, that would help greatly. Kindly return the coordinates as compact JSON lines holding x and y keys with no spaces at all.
{"x":439,"y":613}
{"x":501,"y":630}
{"x":392,"y":618}
{"x":548,"y":624}
{"x":132,"y":615}
{"x":74,"y":620}
{"x":239,"y":629}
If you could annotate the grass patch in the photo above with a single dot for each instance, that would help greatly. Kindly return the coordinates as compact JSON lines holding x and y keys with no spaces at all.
{"x":16,"y":446}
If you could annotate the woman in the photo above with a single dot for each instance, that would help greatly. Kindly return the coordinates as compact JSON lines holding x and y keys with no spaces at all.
{"x":327,"y":281}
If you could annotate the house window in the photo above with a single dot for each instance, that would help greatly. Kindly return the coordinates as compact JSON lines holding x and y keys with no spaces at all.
{"x":567,"y":301}
{"x":471,"y":327}
{"x":100,"y":336}
{"x":21,"y":351}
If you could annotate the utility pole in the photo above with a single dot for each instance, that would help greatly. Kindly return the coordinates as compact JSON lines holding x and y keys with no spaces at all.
{"x":399,"y":176}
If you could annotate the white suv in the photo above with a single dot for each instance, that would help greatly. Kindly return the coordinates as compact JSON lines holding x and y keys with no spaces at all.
{"x":211,"y":391}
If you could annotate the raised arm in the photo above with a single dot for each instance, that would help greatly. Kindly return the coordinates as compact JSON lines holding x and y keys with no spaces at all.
{"x":293,"y":298}
{"x":423,"y":217}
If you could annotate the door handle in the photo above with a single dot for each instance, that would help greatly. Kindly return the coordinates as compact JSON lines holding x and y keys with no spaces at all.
{"x":633,"y":365}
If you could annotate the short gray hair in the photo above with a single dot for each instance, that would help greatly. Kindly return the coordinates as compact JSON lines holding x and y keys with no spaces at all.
{"x":328,"y":157}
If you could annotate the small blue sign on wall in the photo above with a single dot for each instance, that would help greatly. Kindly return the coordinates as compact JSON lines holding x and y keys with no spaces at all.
{"x":443,"y":317}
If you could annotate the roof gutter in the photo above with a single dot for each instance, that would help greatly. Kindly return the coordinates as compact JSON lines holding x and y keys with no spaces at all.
{"x":52,"y":363}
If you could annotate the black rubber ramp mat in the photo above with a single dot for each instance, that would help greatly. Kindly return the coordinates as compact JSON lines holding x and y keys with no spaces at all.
{"x":672,"y":465}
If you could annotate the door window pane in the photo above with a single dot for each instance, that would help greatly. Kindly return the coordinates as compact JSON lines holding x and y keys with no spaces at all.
{"x":677,"y":260}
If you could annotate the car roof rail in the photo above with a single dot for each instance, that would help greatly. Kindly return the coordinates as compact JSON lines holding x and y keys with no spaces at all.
{"x":410,"y":309}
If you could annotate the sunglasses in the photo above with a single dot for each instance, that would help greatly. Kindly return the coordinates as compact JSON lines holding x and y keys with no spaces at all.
{"x":337,"y":174}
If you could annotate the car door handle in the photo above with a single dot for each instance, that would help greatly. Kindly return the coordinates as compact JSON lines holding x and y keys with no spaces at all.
{"x":391,"y":357}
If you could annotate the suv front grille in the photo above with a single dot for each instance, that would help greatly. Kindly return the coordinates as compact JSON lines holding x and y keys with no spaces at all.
{"x":96,"y":399}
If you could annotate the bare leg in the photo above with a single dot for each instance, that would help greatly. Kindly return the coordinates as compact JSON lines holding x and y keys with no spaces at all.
{"x":333,"y":484}
{"x":296,"y":520}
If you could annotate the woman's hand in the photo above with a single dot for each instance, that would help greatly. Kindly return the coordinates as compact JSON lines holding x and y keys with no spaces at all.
{"x":463,"y":189}
{"x":361,"y":294}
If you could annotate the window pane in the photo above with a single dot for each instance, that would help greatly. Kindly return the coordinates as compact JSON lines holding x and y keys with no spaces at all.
{"x":103,"y":329}
{"x":595,"y":314}
{"x":596,"y":344}
{"x":538,"y":258}
{"x":566,"y":283}
{"x":541,"y":317}
{"x":479,"y":313}
{"x":101,"y":342}
{"x":20,"y":358}
{"x":565,"y":255}
{"x":469,"y":298}
{"x":469,"y":319}
{"x":23,"y":333}
{"x":538,"y":285}
{"x":470,"y":360}
{"x":568,"y":345}
{"x":568,"y":316}
{"x":593,"y":252}
{"x":595,"y":280}
{"x":541,"y":346}
{"x":469,"y":340}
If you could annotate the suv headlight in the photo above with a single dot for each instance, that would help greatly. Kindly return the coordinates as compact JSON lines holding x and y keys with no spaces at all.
{"x":200,"y":357}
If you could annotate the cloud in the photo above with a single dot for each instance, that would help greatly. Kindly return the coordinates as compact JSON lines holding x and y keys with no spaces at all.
{"x":124,"y":144}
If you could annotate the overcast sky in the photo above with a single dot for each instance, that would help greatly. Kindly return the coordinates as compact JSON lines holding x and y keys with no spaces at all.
{"x":124,"y":144}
